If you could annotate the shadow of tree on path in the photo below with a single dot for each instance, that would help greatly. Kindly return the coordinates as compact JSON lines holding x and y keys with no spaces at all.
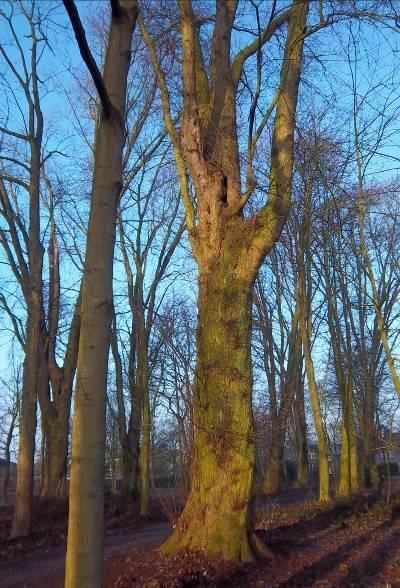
{"x":323,"y":566}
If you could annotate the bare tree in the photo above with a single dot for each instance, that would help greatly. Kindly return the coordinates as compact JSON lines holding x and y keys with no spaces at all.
{"x":85,"y":528}
{"x":207,"y":148}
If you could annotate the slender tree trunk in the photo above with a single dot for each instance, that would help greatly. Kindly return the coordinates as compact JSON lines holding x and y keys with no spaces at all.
{"x":86,"y":505}
{"x":145,"y":458}
{"x":371,"y":476}
{"x":349,"y":475}
{"x":142,"y":383}
{"x":27,"y":427}
{"x":7,"y":455}
{"x":128,"y":433}
{"x":274,"y":465}
{"x":301,"y":434}
{"x":318,"y":421}
{"x":135,"y":419}
{"x":33,"y":296}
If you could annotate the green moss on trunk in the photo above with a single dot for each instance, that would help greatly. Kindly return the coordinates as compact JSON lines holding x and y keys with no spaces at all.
{"x":217,"y":514}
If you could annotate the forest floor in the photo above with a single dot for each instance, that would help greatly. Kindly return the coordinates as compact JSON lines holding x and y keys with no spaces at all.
{"x":340,"y":544}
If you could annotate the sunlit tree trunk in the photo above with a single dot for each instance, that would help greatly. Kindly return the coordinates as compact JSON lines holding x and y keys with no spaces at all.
{"x":86,"y":503}
{"x":217,"y":511}
{"x":305,"y":299}
{"x":229,"y":250}
{"x":349,"y":464}
{"x":300,"y":425}
{"x":33,"y":295}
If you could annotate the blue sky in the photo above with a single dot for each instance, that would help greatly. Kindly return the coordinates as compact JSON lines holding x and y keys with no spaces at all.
{"x":62,"y":64}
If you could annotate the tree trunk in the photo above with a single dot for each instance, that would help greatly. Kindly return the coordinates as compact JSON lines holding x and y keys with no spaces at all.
{"x":318,"y":421}
{"x":349,"y":478}
{"x":274,"y":465}
{"x":142,"y":384}
{"x":301,"y":434}
{"x":55,"y":428}
{"x":27,"y":426}
{"x":130,"y":463}
{"x":229,"y":250}
{"x":217,"y":513}
{"x":145,"y":458}
{"x":370,"y":473}
{"x":86,"y":505}
{"x":7,"y":455}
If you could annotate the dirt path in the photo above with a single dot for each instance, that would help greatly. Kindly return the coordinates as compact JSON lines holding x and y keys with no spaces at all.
{"x":46,"y":568}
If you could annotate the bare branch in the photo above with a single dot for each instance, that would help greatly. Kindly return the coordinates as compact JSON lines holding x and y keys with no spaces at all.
{"x":87,"y":56}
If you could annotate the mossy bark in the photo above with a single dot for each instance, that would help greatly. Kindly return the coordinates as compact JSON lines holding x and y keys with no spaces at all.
{"x":229,"y":250}
{"x":217,"y":513}
{"x":349,"y":481}
{"x":349,"y":478}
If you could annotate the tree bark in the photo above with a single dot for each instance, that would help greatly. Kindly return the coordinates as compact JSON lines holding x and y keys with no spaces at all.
{"x":229,"y":250}
{"x":56,"y":407}
{"x":349,"y":475}
{"x":274,"y":467}
{"x":86,"y":505}
{"x":216,"y":515}
{"x":33,"y":295}
{"x":301,"y":433}
{"x":7,"y":455}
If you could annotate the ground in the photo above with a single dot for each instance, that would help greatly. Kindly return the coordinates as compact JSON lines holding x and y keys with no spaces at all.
{"x":336,"y":545}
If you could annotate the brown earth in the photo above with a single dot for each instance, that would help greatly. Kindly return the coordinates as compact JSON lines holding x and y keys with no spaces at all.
{"x":336,"y":545}
{"x":333,"y":546}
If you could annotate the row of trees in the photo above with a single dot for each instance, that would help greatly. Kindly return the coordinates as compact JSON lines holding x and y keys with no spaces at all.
{"x":184,"y":133}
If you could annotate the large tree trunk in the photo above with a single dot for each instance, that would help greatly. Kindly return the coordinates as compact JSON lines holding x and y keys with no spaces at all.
{"x":217,"y":512}
{"x":86,"y":505}
{"x":229,"y":250}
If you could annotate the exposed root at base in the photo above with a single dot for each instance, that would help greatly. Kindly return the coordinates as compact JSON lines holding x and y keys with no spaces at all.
{"x":248,"y":550}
